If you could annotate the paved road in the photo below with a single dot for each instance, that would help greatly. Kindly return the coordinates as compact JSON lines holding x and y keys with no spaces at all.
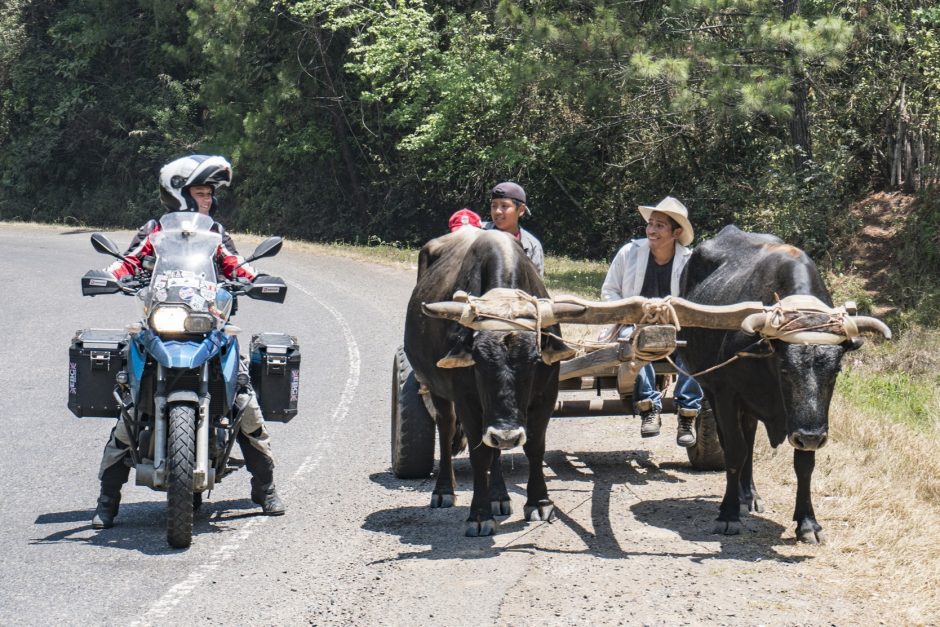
{"x":357,"y":546}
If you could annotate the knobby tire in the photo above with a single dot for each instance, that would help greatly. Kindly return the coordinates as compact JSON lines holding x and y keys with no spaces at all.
{"x":413,"y":428}
{"x":181,"y":462}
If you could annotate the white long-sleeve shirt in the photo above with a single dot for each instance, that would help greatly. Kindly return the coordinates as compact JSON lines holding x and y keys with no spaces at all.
{"x":628,"y":269}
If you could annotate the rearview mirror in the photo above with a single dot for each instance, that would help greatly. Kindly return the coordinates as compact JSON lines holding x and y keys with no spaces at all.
{"x":104,"y":245}
{"x":267,"y":248}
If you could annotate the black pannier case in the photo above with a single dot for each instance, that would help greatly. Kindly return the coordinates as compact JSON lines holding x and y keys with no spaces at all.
{"x":95,"y":358}
{"x":275,"y":374}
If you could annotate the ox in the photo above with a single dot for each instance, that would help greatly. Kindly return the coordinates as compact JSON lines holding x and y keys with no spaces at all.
{"x":789,"y":389}
{"x":500,"y":385}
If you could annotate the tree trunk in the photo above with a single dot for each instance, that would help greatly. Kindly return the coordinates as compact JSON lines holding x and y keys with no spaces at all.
{"x":908,"y":159}
{"x":339,"y":124}
{"x":799,"y":124}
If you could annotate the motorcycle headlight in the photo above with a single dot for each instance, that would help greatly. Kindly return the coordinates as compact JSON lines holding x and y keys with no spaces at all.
{"x":168,"y":319}
{"x":199,"y":323}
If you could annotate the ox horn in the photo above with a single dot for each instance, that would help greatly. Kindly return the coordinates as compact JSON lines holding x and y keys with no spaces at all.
{"x":754,"y":323}
{"x":556,"y":350}
{"x":866,"y":323}
{"x":448,"y":310}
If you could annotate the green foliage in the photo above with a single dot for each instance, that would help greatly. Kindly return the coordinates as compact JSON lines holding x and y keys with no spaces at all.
{"x":899,"y":397}
{"x":79,"y":120}
{"x":572,"y":276}
{"x":898,"y":379}
{"x":349,"y":120}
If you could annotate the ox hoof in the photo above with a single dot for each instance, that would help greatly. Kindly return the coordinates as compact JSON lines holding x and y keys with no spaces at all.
{"x":480,"y":528}
{"x":727,"y":527}
{"x":545,"y":510}
{"x":756,"y":505}
{"x":810,"y":534}
{"x":502,"y":507}
{"x":442,"y":500}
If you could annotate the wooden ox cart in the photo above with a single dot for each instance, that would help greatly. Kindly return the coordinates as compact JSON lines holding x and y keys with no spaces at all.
{"x":606,"y":367}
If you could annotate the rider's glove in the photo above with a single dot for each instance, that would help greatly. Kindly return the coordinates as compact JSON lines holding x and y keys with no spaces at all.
{"x":127,"y":278}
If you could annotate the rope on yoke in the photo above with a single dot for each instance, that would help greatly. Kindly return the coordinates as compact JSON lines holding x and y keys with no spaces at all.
{"x":746,"y":353}
{"x":804,"y":319}
{"x":510,"y":306}
{"x":660,"y":311}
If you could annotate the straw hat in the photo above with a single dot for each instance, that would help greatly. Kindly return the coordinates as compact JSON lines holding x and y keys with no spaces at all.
{"x":675,"y":210}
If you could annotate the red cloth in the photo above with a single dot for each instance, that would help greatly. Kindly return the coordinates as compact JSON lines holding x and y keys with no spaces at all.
{"x":463,"y":218}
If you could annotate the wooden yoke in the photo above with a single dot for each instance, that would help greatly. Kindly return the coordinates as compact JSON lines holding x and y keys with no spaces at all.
{"x":492,"y":314}
{"x":637,"y":310}
{"x":801,"y":319}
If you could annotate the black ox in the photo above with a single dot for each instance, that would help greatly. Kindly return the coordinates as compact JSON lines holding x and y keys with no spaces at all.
{"x":789,"y":389}
{"x":501,"y":386}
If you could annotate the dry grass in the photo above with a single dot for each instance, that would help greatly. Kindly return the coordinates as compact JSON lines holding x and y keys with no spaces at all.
{"x":877,"y":494}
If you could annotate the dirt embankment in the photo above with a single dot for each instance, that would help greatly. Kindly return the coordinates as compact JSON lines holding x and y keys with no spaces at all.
{"x":867,"y":251}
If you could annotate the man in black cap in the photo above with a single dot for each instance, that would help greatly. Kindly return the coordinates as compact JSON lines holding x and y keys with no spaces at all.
{"x":507,"y":206}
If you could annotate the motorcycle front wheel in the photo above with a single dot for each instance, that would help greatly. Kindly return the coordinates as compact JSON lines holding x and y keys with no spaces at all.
{"x":181,"y":460}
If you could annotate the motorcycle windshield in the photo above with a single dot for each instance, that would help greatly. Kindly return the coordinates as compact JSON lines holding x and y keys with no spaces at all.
{"x":185,"y":270}
{"x":186,"y":243}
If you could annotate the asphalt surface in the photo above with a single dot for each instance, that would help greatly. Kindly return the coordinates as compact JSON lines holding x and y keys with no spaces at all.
{"x":357,"y":546}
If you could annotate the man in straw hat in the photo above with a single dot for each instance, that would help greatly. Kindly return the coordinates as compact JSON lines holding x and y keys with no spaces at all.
{"x":651,"y":268}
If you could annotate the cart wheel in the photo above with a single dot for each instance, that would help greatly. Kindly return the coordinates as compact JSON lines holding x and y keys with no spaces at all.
{"x":707,"y":453}
{"x":413,"y":428}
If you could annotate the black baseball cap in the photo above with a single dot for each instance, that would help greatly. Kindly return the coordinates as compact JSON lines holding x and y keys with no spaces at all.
{"x":510,"y":190}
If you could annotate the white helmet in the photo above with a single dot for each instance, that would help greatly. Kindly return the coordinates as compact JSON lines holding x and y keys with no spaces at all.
{"x":178,"y":176}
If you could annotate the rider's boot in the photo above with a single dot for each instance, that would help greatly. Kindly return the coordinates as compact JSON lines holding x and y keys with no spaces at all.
{"x":685,"y":435}
{"x":109,"y":500}
{"x":261,"y":467}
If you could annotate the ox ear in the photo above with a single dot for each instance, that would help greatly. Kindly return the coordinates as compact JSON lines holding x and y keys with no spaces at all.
{"x":459,"y":355}
{"x":556,"y":350}
{"x":456,"y":358}
{"x":853,"y":344}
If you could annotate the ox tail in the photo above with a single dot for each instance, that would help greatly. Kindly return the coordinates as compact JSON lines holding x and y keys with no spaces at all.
{"x":459,"y":444}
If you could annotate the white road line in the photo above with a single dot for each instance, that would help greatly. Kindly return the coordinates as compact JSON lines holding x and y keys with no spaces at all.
{"x":175,"y":595}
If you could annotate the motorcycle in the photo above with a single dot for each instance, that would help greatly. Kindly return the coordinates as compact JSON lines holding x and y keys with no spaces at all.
{"x":174,"y":376}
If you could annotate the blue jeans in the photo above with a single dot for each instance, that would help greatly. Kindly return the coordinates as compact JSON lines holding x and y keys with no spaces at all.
{"x":688,"y":394}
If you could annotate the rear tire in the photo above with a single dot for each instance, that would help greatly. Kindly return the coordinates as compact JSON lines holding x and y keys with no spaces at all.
{"x":413,"y":428}
{"x":706,"y":454}
{"x":181,"y":461}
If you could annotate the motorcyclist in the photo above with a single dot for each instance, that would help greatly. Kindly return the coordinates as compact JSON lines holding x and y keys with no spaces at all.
{"x":189,"y":184}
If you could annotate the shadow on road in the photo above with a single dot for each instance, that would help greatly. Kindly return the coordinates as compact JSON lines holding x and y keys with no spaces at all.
{"x":691,"y":518}
{"x":141,"y":527}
